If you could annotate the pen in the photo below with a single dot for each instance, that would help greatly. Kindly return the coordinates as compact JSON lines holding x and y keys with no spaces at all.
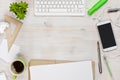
{"x":107,"y":65}
{"x":99,"y":58}
{"x":113,"y":10}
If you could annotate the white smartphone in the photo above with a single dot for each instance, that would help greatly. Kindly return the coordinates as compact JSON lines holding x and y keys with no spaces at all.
{"x":106,"y":35}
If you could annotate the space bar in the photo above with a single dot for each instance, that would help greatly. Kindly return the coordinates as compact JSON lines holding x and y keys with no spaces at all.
{"x":57,"y":10}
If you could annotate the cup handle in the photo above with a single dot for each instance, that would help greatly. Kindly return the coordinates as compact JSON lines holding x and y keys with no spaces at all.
{"x":14,"y":77}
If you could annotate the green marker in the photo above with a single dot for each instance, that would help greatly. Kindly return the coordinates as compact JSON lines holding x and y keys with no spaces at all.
{"x":107,"y":65}
{"x":96,"y":6}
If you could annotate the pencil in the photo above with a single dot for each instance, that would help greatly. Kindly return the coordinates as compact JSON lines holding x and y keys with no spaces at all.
{"x":107,"y":65}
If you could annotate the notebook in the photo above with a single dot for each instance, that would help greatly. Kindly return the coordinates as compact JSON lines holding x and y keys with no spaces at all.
{"x":63,"y":71}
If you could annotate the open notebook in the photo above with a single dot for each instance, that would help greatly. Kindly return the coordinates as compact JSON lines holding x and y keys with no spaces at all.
{"x":63,"y":71}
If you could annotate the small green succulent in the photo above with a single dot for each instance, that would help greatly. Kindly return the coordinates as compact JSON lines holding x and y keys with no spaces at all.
{"x":19,"y":9}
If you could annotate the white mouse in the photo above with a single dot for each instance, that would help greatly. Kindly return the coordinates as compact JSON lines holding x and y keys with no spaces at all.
{"x":3,"y":26}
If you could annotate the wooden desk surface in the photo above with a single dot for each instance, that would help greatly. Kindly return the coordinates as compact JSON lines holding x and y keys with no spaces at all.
{"x":64,"y":38}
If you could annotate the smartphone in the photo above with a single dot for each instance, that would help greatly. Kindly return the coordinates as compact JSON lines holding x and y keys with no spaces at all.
{"x":106,"y":35}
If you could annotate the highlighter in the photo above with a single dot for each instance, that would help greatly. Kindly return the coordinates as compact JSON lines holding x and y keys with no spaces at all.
{"x":96,"y":6}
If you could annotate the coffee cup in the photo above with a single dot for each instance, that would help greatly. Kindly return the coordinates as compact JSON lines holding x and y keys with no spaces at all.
{"x":17,"y":67}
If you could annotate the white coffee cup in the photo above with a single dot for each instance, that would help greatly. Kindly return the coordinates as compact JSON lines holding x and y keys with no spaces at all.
{"x":17,"y":67}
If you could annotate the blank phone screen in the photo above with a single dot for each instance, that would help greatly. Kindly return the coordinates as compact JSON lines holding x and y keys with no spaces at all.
{"x":106,"y":35}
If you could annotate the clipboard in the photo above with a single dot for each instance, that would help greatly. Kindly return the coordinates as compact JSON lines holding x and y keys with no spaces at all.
{"x":11,"y":37}
{"x":46,"y":62}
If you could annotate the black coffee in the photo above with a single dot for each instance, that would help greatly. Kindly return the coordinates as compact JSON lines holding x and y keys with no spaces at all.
{"x":18,"y":66}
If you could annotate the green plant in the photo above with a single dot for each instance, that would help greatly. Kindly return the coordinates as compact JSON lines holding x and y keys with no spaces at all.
{"x":19,"y":9}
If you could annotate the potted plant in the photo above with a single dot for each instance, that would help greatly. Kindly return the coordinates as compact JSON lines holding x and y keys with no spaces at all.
{"x":19,"y":9}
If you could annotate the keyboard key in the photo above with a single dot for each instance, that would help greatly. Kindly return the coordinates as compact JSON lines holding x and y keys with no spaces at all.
{"x":58,"y":10}
{"x":41,"y":2}
{"x":67,"y":2}
{"x":40,"y":10}
{"x":47,"y":6}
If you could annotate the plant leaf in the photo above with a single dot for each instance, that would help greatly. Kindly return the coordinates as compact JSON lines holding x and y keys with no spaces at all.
{"x":19,"y":9}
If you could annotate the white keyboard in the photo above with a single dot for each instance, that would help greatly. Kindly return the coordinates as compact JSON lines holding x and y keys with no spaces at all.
{"x":59,"y":7}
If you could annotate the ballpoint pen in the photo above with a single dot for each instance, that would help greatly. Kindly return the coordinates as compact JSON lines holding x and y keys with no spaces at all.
{"x":113,"y":10}
{"x":99,"y":58}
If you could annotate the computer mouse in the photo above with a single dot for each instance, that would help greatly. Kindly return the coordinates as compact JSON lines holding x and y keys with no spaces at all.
{"x":3,"y":26}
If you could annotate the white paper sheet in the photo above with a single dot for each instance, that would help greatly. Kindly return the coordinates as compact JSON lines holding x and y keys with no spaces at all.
{"x":5,"y":55}
{"x":2,"y":76}
{"x":65,"y":71}
{"x":4,"y":50}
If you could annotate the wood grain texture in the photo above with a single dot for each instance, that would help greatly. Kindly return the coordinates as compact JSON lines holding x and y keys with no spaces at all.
{"x":64,"y":38}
